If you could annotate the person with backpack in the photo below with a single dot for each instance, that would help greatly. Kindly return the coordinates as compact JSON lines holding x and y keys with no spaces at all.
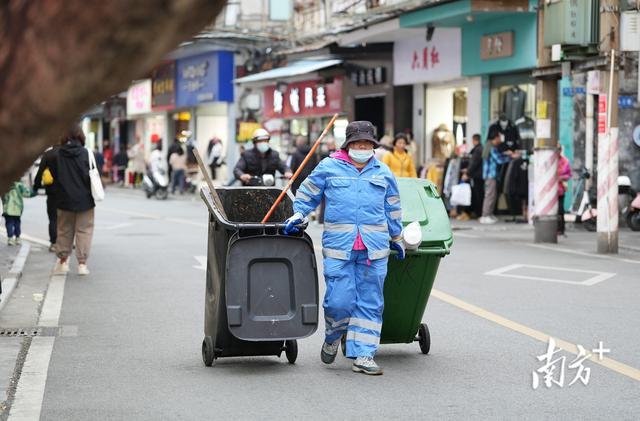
{"x":12,"y":208}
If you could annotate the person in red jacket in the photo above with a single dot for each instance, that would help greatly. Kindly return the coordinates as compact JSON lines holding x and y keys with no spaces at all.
{"x":564,"y":174}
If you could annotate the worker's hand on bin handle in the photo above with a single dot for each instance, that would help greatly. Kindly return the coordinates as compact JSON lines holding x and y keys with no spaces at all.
{"x":398,"y":246}
{"x":294,"y":224}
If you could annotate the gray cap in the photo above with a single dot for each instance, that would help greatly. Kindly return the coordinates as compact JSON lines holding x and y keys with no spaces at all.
{"x":360,"y":130}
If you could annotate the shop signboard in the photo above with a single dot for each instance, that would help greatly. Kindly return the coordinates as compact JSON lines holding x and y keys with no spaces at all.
{"x":497,"y":45}
{"x":204,"y":78}
{"x":246,"y":129}
{"x":139,"y":97}
{"x":163,"y":95}
{"x":369,"y":77}
{"x":417,"y":60}
{"x":602,"y":114}
{"x":303,"y":99}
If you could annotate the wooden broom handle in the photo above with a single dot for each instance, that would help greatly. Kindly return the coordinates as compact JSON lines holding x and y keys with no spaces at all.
{"x":299,"y":170}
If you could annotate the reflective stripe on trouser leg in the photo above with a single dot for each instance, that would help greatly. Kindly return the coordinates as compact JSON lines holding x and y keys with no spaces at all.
{"x":363,"y":334}
{"x":340,"y":296}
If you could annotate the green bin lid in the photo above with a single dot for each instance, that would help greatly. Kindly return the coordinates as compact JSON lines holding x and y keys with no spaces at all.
{"x":421,"y":202}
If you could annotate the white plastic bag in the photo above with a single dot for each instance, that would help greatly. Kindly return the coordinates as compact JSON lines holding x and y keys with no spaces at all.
{"x":461,"y":195}
{"x":97,"y":191}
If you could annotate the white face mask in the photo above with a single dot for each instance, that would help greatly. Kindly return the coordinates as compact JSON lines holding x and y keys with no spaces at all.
{"x":360,"y":155}
{"x":503,"y":124}
{"x":262,"y":147}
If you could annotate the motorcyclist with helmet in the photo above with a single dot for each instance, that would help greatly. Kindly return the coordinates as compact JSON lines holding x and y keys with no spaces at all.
{"x":260,"y":160}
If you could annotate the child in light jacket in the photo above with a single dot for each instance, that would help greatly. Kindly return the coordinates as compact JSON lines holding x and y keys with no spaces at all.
{"x":13,"y":206}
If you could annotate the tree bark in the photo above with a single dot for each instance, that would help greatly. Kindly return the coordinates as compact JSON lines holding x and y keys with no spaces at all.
{"x":57,"y":58}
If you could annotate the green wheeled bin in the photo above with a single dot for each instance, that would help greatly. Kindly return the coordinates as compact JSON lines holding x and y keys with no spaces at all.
{"x":408,"y":283}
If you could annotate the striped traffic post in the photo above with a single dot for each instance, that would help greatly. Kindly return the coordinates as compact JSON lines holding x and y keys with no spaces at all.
{"x":546,"y":195}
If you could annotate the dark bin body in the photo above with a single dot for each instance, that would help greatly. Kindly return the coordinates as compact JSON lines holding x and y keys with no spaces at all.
{"x":408,"y":283}
{"x":262,"y":286}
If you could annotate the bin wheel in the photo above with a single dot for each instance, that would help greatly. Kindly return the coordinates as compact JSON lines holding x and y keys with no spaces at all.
{"x":208,"y":353}
{"x":291,"y":351}
{"x":343,"y":345}
{"x":424,"y":338}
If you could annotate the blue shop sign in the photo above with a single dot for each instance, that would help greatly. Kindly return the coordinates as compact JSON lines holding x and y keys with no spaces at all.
{"x":204,"y":78}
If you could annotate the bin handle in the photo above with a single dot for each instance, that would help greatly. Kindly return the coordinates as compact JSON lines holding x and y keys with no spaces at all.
{"x":443,"y":251}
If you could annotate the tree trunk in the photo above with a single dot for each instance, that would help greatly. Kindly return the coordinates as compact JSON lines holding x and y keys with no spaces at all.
{"x":57,"y":58}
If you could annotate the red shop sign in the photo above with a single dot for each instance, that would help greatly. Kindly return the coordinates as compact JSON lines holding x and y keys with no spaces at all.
{"x":602,"y":114}
{"x":301,"y":99}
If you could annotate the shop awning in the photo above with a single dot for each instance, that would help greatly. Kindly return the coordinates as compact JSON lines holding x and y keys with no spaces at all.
{"x":294,"y":69}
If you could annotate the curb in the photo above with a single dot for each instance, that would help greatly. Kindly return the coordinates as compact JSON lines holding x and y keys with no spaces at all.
{"x":15,"y":273}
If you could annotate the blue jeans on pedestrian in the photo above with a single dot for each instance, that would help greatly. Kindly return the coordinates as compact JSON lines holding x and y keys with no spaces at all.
{"x":12,"y":223}
{"x":177,"y":179}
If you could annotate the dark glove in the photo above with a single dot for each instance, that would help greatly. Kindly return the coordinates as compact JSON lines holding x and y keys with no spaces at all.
{"x":293,"y":225}
{"x":398,"y":246}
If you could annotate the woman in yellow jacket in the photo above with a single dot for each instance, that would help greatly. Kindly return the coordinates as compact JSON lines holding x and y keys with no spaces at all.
{"x":398,"y":160}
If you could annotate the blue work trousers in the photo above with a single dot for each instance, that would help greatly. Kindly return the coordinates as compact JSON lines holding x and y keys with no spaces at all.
{"x":354,"y":301}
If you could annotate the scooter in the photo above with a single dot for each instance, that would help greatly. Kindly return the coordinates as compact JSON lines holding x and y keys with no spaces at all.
{"x":583,"y":206}
{"x":156,"y":183}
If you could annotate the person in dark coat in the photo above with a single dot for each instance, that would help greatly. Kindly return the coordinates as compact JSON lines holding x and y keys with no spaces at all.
{"x":302,"y":149}
{"x":48,"y":161}
{"x":260,"y":160}
{"x":474,"y":174}
{"x":75,"y":202}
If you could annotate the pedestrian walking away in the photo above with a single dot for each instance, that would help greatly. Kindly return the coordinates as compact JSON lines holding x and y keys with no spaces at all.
{"x":214,"y":155}
{"x":45,"y":179}
{"x":178,"y":164}
{"x":76,"y":204}
{"x":362,"y":221}
{"x":302,"y":149}
{"x":474,"y":172}
{"x":12,"y":208}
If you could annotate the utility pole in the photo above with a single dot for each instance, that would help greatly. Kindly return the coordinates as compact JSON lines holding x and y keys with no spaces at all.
{"x":545,"y":220}
{"x":607,"y":177}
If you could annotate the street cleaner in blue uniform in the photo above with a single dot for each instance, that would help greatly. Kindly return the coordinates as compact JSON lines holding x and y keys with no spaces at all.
{"x":362,"y":222}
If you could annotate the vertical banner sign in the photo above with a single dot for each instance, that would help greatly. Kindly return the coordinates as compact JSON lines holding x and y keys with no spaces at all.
{"x":602,"y":114}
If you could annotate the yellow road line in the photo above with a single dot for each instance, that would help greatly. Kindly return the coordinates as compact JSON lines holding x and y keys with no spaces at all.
{"x":609,"y":363}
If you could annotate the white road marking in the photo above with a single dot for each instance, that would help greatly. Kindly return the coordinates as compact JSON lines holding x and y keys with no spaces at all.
{"x":28,"y":237}
{"x":9,"y":283}
{"x":118,"y":226}
{"x":580,"y":253}
{"x":157,"y":217}
{"x":27,"y":404}
{"x":202,"y":262}
{"x":464,"y":235}
{"x":596,"y":276}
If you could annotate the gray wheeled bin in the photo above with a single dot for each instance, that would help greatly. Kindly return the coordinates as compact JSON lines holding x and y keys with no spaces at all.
{"x":262,"y":285}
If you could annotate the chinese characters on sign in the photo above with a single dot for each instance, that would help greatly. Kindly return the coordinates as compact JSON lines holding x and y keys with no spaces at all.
{"x":553,"y":370}
{"x":139,"y":97}
{"x":303,"y":99}
{"x":416,"y":60}
{"x":368,"y":77}
{"x":573,"y":19}
{"x":496,"y":45}
{"x":602,"y":114}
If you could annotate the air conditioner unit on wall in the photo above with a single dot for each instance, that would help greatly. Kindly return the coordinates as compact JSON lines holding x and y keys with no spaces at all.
{"x":569,"y":22}
{"x":630,"y":31}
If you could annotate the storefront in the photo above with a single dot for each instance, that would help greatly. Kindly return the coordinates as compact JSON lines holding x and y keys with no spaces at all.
{"x":146,"y":125}
{"x":203,"y":96}
{"x":450,"y":102}
{"x":302,"y":109}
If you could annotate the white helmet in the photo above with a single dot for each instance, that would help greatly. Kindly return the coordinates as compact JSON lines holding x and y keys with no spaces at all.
{"x":261,"y":135}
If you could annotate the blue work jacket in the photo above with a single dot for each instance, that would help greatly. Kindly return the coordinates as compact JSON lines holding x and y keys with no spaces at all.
{"x":367,"y":201}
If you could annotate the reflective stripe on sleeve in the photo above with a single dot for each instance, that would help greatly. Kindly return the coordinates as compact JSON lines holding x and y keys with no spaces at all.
{"x":329,"y":226}
{"x":300,"y":195}
{"x":379,"y":254}
{"x":375,"y":228}
{"x":396,"y":214}
{"x":331,"y":322}
{"x":363,"y":337}
{"x":312,"y":187}
{"x":392,"y":200}
{"x":335,"y":254}
{"x":365,"y":324}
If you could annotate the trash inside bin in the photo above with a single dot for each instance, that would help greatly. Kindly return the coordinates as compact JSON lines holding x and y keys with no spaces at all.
{"x":262,"y":286}
{"x":408,"y":283}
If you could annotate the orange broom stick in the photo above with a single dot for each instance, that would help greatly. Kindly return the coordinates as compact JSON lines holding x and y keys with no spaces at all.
{"x":299,"y":170}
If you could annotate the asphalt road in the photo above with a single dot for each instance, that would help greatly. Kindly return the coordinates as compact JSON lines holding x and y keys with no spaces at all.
{"x":138,"y":323}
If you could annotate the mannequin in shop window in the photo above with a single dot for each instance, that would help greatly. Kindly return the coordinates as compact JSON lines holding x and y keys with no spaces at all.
{"x":526,"y":132}
{"x":443,"y":142}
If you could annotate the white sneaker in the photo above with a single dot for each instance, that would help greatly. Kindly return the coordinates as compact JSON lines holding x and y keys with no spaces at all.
{"x":61,"y":268}
{"x":18,"y":241}
{"x":366,"y":365}
{"x":83,"y":270}
{"x":484,"y":220}
{"x":11,"y":241}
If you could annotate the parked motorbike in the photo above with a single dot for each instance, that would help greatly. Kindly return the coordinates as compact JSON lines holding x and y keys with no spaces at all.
{"x":632,"y":213}
{"x":156,"y":183}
